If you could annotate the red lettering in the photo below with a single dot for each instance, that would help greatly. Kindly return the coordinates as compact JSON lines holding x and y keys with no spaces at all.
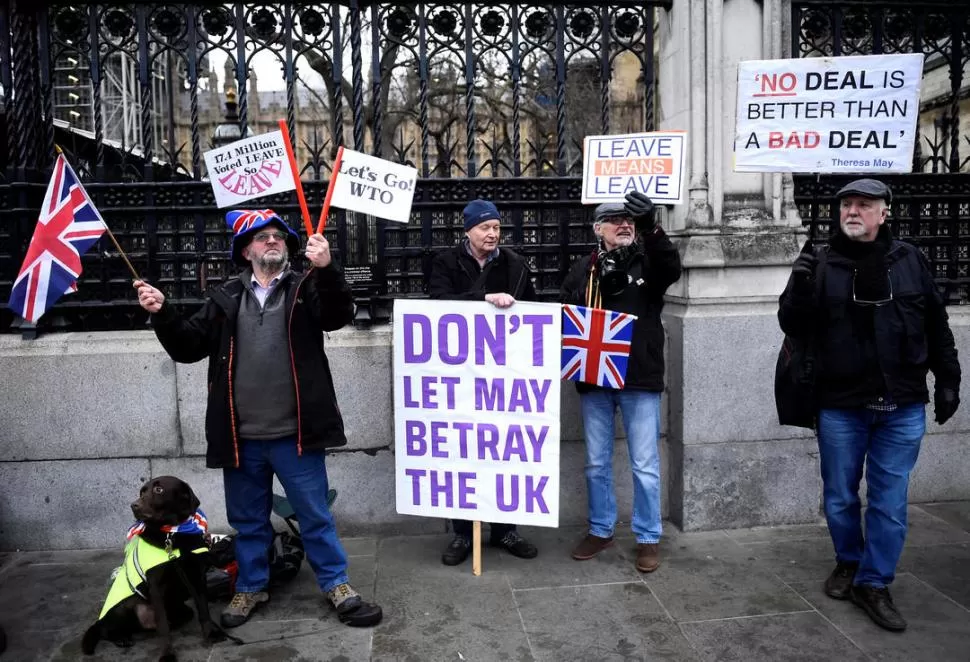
{"x":775,"y":140}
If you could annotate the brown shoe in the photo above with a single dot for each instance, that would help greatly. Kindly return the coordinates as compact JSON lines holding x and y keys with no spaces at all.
{"x":590,"y":546}
{"x":648,"y":556}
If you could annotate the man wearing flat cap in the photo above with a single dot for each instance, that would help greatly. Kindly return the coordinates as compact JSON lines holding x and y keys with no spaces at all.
{"x":478,"y":269}
{"x":879,"y":325}
{"x":272,"y":407}
{"x":629,"y":272}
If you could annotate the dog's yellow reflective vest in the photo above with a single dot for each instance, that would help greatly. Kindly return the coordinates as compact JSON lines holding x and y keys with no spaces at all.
{"x":140,"y":557}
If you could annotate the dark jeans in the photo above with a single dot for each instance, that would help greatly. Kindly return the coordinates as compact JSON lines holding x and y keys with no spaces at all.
{"x":463,"y":527}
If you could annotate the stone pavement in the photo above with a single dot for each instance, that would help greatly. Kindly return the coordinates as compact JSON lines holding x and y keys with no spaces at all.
{"x":747,"y":595}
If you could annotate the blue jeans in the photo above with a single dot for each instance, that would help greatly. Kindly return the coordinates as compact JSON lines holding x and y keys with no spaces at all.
{"x":887,"y":444}
{"x":641,"y":419}
{"x":249,"y":503}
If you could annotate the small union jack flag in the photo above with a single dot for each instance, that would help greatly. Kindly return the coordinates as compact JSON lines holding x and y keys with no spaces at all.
{"x":196,"y":523}
{"x":244,"y":219}
{"x":596,"y":345}
{"x":68,"y":226}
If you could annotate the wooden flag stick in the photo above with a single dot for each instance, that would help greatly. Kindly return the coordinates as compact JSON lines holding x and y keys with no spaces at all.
{"x":476,"y":548}
{"x":114,"y":241}
{"x":326,"y":202}
{"x":296,"y":177}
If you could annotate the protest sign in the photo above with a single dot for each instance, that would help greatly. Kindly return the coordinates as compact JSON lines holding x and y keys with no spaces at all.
{"x":476,"y":410}
{"x":832,"y":114}
{"x":652,"y":163}
{"x":249,"y":168}
{"x":374,"y":186}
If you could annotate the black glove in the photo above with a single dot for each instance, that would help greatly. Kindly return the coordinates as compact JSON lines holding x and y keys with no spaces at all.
{"x":945,"y":400}
{"x":640,"y":208}
{"x":804,"y":271}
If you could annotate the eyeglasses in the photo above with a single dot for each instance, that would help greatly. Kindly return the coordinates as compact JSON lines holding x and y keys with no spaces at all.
{"x":864,"y":302}
{"x":263,"y":237}
{"x":618,"y":220}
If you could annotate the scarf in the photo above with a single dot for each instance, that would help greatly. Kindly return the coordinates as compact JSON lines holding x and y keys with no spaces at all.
{"x":195,"y":523}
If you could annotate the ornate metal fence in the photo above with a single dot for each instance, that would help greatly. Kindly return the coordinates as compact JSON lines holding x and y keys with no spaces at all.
{"x":484,"y":99}
{"x":931,"y":206}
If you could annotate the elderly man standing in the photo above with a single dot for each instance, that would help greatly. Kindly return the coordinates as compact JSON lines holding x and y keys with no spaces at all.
{"x":879,"y":324}
{"x":478,"y":270}
{"x":630,"y":271}
{"x":271,"y":407}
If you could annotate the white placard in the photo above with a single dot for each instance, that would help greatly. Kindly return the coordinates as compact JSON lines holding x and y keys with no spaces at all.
{"x":832,"y":114}
{"x":249,"y":168}
{"x":476,"y":410}
{"x":374,"y":186}
{"x":652,"y":163}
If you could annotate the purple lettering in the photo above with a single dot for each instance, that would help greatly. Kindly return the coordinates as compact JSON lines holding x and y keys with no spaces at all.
{"x":450,"y":383}
{"x":442,"y":488}
{"x":512,"y":504}
{"x":489,"y":394}
{"x":414,"y":443}
{"x":416,"y":475}
{"x":411,"y":355}
{"x":495,"y":340}
{"x":487,"y":439}
{"x":519,"y":396}
{"x":463,"y":430}
{"x":428,"y":392}
{"x":409,"y":401}
{"x":437,"y":439}
{"x":533,"y":494}
{"x":540,"y":390}
{"x":537,"y":441}
{"x":537,"y":322}
{"x":465,"y":490}
{"x":460,"y":354}
{"x":515,"y":444}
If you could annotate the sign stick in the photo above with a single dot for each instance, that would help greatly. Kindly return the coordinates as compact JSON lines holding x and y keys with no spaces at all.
{"x":296,"y":177}
{"x":326,"y":202}
{"x":477,"y":548}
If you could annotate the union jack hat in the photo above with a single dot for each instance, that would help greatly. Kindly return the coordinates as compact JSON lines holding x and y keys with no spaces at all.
{"x":244,"y":223}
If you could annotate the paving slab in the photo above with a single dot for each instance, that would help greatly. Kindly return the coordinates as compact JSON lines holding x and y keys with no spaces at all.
{"x":798,"y":637}
{"x":956,"y":513}
{"x":944,"y":567}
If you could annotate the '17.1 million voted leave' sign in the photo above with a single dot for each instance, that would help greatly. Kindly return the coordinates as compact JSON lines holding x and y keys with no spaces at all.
{"x":476,"y":410}
{"x":832,"y":114}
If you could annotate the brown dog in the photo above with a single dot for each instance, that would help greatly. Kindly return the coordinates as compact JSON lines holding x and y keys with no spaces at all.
{"x":171,"y":544}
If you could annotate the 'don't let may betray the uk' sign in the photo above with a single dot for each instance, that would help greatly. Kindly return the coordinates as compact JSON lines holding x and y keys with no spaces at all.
{"x":855,"y":114}
{"x":476,"y":411}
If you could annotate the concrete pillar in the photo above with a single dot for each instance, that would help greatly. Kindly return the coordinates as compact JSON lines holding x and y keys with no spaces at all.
{"x":731,"y":463}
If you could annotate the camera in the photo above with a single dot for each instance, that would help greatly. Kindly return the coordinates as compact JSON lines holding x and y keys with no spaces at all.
{"x":612,"y":265}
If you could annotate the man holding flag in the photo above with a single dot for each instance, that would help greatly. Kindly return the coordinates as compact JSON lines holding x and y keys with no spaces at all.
{"x":68,"y":226}
{"x":272,"y":407}
{"x":629,"y":272}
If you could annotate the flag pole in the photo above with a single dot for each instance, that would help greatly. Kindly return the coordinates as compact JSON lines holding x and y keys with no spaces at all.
{"x":285,"y":129}
{"x":114,"y":241}
{"x":326,"y":202}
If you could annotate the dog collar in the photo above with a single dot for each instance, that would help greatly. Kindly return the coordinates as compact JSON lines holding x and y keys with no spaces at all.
{"x":196,"y":523}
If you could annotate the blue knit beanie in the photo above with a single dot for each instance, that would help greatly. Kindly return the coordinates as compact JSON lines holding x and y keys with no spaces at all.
{"x":479,"y":211}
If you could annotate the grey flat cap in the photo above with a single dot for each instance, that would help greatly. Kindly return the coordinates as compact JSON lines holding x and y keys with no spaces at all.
{"x":608,"y":210}
{"x":867,"y":188}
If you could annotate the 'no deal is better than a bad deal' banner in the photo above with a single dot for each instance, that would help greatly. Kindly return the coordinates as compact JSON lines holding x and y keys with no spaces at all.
{"x":835,"y":114}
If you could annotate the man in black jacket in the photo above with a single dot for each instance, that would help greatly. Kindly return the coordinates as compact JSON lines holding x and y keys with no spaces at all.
{"x":879,"y":324}
{"x":629,"y":273}
{"x":477,"y":269}
{"x":271,"y":407}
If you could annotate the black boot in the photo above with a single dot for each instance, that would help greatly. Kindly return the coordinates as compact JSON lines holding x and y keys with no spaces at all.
{"x":840,"y":581}
{"x":457,"y":550}
{"x":878,"y":603}
{"x":515,"y":545}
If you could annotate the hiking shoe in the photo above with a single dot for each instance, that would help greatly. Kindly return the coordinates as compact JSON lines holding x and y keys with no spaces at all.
{"x":515,"y":545}
{"x":590,"y":546}
{"x":457,"y":550}
{"x":648,"y":556}
{"x":839,"y":583}
{"x":878,"y":603}
{"x":241,"y":607}
{"x":351,"y":608}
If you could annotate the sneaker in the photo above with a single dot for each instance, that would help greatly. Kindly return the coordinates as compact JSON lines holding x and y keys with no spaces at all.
{"x":457,"y":550}
{"x":839,"y":583}
{"x":590,"y":546}
{"x":241,"y":607}
{"x":351,"y":608}
{"x":516,"y":545}
{"x":648,"y":556}
{"x":878,"y":603}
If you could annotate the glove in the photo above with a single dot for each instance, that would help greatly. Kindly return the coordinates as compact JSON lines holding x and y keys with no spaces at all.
{"x":641,"y":210}
{"x":945,"y":400}
{"x":804,"y":271}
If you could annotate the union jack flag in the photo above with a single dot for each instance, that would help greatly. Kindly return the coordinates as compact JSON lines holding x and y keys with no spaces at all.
{"x":196,"y":523}
{"x":596,"y":345}
{"x":246,"y":218}
{"x":68,"y":225}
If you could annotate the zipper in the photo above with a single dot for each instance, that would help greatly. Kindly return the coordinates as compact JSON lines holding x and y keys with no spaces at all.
{"x":232,"y":405}
{"x":296,"y":383}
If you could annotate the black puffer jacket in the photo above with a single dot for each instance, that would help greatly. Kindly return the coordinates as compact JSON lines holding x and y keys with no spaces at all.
{"x":869,"y":352}
{"x":658,"y":266}
{"x":454,"y":273}
{"x":317,"y":301}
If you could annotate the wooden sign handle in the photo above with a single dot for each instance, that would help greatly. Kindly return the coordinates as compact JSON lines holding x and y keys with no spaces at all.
{"x":476,"y":548}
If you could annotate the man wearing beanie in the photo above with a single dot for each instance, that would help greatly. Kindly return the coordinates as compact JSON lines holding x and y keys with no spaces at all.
{"x":272,"y":408}
{"x":477,"y":269}
{"x":629,"y":272}
{"x":878,"y":323}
